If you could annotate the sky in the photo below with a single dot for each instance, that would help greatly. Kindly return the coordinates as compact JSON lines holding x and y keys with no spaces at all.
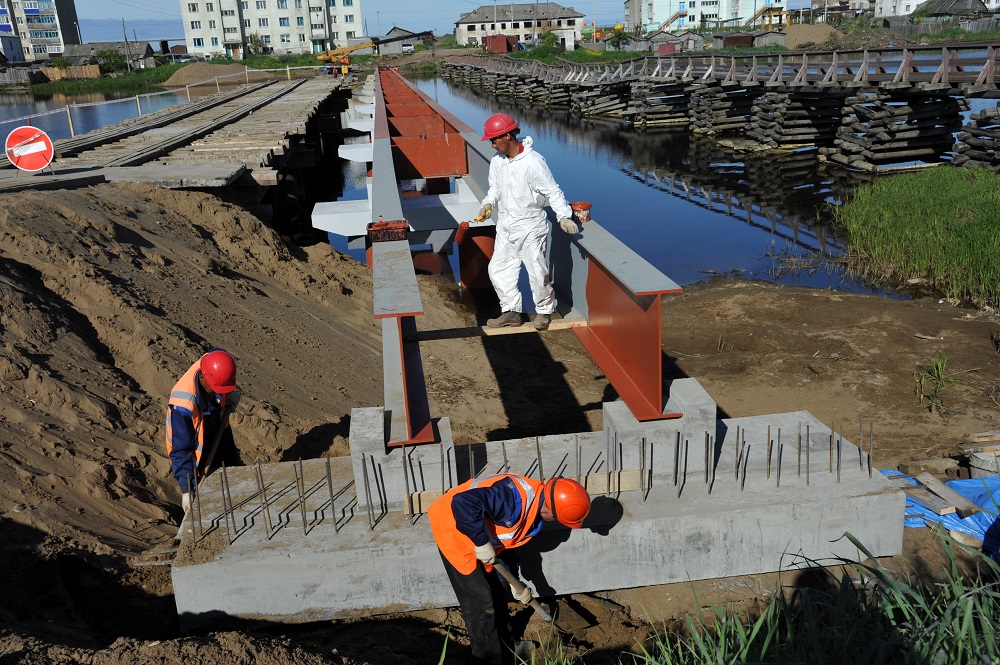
{"x":150,"y":19}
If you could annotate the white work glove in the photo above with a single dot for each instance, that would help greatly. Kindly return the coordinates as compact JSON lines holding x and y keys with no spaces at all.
{"x":568,"y":225}
{"x":186,"y":501}
{"x":524,"y":597}
{"x":485,"y":212}
{"x":486,"y":553}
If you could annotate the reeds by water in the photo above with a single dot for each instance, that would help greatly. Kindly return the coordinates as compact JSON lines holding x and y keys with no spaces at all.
{"x":940,"y":225}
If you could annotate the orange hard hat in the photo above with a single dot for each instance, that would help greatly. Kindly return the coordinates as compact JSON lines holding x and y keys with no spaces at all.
{"x":568,"y":500}
{"x":498,"y":124}
{"x":219,"y":370}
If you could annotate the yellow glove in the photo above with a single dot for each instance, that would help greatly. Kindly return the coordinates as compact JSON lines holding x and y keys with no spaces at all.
{"x":485,"y":212}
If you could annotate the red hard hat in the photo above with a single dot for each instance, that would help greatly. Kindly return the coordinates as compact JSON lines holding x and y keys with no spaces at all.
{"x":219,"y":370}
{"x":568,"y":500}
{"x":498,"y":124}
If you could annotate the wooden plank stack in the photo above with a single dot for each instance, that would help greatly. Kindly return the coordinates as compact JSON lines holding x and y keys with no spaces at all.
{"x":721,"y":109}
{"x":655,"y":102}
{"x":605,"y":99}
{"x":796,"y":119}
{"x":979,"y":141}
{"x":892,"y":127}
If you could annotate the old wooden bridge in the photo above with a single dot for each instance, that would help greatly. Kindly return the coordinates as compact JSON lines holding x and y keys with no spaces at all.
{"x":866,"y":107}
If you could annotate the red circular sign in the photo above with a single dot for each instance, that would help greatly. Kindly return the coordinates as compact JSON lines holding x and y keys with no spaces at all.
{"x":29,"y":148}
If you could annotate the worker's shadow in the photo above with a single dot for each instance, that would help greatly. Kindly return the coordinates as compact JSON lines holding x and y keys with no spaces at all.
{"x":605,"y":513}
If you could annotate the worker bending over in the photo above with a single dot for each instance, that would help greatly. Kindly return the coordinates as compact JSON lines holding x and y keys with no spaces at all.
{"x":520,"y":184}
{"x":198,"y":434}
{"x":473,"y":522}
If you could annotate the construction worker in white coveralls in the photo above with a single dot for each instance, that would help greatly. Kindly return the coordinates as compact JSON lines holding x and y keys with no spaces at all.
{"x":520,"y":184}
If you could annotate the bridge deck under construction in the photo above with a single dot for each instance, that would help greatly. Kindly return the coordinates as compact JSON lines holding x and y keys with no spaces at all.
{"x":678,"y":494}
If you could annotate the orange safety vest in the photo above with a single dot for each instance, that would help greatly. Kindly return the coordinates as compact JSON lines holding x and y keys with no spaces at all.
{"x":458,"y":548}
{"x":183,"y":395}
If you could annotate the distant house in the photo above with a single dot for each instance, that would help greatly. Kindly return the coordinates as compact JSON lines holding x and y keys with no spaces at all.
{"x":939,"y":9}
{"x":526,"y":23}
{"x":666,"y":43}
{"x":138,"y":54}
{"x":731,"y":40}
{"x":10,"y":49}
{"x":396,"y":47}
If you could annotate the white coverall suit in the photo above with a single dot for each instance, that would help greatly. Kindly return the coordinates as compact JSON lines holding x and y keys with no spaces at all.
{"x":518,"y":191}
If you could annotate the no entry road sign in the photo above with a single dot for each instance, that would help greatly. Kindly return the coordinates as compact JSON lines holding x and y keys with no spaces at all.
{"x":29,"y":148}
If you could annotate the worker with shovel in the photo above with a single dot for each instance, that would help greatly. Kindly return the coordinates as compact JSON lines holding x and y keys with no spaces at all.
{"x":471,"y":523}
{"x":520,"y":184}
{"x":198,"y":432}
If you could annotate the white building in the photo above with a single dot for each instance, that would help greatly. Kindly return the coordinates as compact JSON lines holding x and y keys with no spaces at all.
{"x":44,"y":27}
{"x":225,"y":27}
{"x":674,"y":15}
{"x":525,"y":22}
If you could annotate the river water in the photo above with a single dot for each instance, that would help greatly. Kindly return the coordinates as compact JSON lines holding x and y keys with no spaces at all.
{"x":687,"y":205}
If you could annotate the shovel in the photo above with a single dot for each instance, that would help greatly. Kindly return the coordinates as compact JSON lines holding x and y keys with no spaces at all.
{"x":518,"y":587}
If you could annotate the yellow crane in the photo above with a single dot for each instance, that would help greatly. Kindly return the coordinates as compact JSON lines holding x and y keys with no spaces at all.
{"x":340,"y":55}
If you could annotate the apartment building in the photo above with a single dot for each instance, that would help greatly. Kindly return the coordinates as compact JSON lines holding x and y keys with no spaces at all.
{"x":525,"y":22}
{"x":44,"y":27}
{"x":219,"y":28}
{"x":674,"y":15}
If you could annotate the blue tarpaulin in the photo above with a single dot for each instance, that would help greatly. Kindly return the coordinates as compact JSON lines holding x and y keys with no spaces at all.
{"x":984,"y":492}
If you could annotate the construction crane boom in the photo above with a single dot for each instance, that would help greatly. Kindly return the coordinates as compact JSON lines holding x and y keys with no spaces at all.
{"x":337,"y":54}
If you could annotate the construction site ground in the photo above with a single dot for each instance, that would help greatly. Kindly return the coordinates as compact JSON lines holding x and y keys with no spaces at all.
{"x":107,"y":294}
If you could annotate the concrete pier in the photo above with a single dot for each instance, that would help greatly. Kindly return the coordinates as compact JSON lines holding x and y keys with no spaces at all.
{"x":661,"y":514}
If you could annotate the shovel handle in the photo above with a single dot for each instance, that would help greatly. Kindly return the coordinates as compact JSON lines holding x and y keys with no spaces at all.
{"x":518,"y":586}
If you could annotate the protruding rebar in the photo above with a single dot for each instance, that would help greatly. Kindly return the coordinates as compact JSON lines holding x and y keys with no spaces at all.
{"x":506,"y":463}
{"x":799,"y":461}
{"x":706,"y":457}
{"x":441,"y":451}
{"x":677,"y":459}
{"x":768,"y":451}
{"x":607,"y":461}
{"x":711,"y":463}
{"x":778,"y":484}
{"x":262,"y":496}
{"x":808,"y":446}
{"x":329,"y":487}
{"x":831,"y":447}
{"x":576,"y":447}
{"x":642,"y":467}
{"x":685,"y":476}
{"x":468,"y":448}
{"x":871,"y":437}
{"x":189,"y":515}
{"x":224,"y":484}
{"x":743,"y":452}
{"x":300,"y":488}
{"x":840,"y":445}
{"x":736,"y":453}
{"x":196,"y":505}
{"x":406,"y":486}
{"x":746,"y":458}
{"x":861,"y":445}
{"x":538,"y":456}
{"x":368,"y":495}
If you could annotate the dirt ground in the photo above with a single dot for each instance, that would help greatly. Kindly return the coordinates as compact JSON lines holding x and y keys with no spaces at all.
{"x":108,"y":293}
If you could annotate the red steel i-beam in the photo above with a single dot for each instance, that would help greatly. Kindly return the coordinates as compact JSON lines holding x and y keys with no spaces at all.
{"x":624,"y":337}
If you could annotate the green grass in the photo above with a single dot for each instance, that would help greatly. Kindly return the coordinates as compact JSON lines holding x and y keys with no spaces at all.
{"x":549,"y":54}
{"x":938,"y":224}
{"x":140,"y":80}
{"x":862,"y":615}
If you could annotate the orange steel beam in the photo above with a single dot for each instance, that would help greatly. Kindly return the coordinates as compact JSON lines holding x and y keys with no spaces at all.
{"x":426,"y":143}
{"x":624,"y":337}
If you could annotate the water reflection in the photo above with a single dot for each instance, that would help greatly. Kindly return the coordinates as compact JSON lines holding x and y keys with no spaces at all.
{"x":687,"y":204}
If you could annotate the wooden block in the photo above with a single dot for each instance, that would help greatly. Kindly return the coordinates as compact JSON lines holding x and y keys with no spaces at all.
{"x":992,"y":435}
{"x":972,"y":448}
{"x":963,"y":506}
{"x":941,"y":465}
{"x":933,"y":503}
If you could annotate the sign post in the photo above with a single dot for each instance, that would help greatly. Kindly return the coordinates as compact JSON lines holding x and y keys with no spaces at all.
{"x":29,"y":148}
